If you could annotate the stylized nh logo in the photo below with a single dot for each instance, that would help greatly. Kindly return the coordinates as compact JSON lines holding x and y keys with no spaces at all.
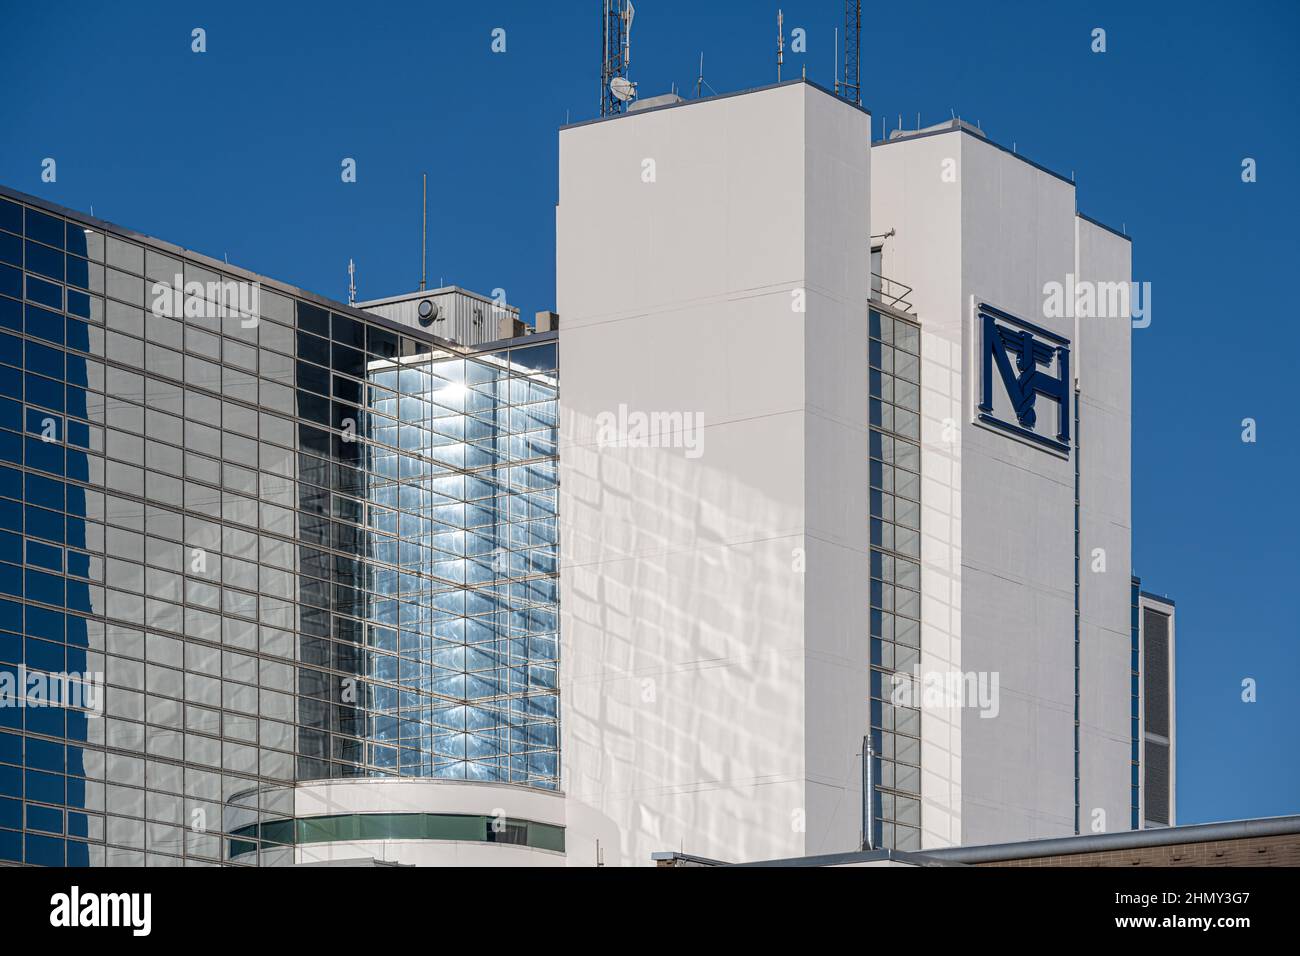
{"x":1003,"y":336}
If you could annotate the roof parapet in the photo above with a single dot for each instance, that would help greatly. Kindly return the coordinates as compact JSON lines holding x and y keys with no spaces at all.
{"x":953,"y":123}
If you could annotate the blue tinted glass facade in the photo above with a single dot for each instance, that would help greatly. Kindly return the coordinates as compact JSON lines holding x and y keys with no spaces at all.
{"x":262,"y":548}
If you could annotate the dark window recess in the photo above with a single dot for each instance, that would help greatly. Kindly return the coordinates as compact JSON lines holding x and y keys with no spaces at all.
{"x":347,"y":749}
{"x":11,"y":282}
{"x":346,"y":538}
{"x":46,"y":293}
{"x":314,"y":529}
{"x":11,"y":216}
{"x":314,"y":651}
{"x":313,"y":318}
{"x":78,"y":272}
{"x":314,"y":378}
{"x":45,"y":324}
{"x":381,"y":344}
{"x":46,"y":229}
{"x":506,"y":832}
{"x":11,"y":249}
{"x":44,"y":392}
{"x":1155,"y":630}
{"x":1157,"y":783}
{"x":314,"y":408}
{"x":314,"y":349}
{"x":349,"y":361}
{"x":46,"y":262}
{"x":351,"y":719}
{"x":316,"y":623}
{"x":77,"y":240}
{"x":348,"y":450}
{"x":349,"y":509}
{"x":349,"y":418}
{"x":313,"y":683}
{"x":315,"y":500}
{"x":349,"y":481}
{"x":11,"y":349}
{"x":348,"y":331}
{"x":349,"y":631}
{"x":347,"y":390}
{"x":315,"y":470}
{"x":42,"y":358}
{"x":78,"y":337}
{"x":315,"y":563}
{"x":314,"y":440}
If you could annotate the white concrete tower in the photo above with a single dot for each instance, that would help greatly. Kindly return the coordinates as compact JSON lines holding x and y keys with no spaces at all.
{"x":976,"y":225}
{"x":712,"y":280}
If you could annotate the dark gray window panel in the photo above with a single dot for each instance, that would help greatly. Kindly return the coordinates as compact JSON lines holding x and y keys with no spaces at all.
{"x":1155,"y":630}
{"x":1157,"y":783}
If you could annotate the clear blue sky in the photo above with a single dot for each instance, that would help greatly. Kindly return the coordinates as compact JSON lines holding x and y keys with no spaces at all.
{"x":236,"y":152}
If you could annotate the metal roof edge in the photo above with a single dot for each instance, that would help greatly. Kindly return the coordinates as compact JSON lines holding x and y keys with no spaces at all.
{"x":1101,"y":225}
{"x":219,"y":265}
{"x":985,"y":139}
{"x":1124,"y":840}
{"x":720,"y":96}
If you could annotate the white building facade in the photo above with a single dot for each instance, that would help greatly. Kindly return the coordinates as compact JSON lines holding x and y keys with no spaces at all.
{"x":821,"y":541}
{"x":783,"y":483}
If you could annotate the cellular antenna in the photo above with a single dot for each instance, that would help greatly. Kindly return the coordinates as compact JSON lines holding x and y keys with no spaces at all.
{"x":780,"y":43}
{"x":616,"y":90}
{"x":850,"y":88}
{"x":352,"y":283}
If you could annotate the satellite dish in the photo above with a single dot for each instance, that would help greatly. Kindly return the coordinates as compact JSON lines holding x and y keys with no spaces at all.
{"x":428,"y":311}
{"x":622,"y":88}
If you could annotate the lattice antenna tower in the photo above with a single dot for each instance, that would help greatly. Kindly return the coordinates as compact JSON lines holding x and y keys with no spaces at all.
{"x":616,"y":90}
{"x":849,"y":86}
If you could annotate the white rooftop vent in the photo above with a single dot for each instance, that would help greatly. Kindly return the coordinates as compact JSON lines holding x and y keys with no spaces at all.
{"x":663,"y":99}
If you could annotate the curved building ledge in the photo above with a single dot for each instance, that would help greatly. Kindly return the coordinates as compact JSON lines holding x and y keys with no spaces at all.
{"x":419,"y":822}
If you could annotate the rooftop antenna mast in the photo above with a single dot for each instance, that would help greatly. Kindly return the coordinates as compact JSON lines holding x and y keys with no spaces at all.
{"x":850,"y":88}
{"x":424,"y":231}
{"x":352,"y":283}
{"x":616,"y":90}
{"x":780,"y":43}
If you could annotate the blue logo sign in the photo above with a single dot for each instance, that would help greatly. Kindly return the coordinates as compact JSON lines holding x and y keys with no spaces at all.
{"x":1024,"y":356}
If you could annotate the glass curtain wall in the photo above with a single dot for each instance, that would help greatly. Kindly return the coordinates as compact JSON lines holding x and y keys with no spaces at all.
{"x":895,"y":452}
{"x":289,"y":545}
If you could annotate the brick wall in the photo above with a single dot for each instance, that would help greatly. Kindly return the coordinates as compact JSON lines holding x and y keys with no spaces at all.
{"x":1282,"y":850}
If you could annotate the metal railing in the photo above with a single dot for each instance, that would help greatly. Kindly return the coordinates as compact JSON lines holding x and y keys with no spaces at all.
{"x":891,"y":292}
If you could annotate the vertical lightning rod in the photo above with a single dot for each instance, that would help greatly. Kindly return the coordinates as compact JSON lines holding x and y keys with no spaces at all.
{"x":424,"y":232}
